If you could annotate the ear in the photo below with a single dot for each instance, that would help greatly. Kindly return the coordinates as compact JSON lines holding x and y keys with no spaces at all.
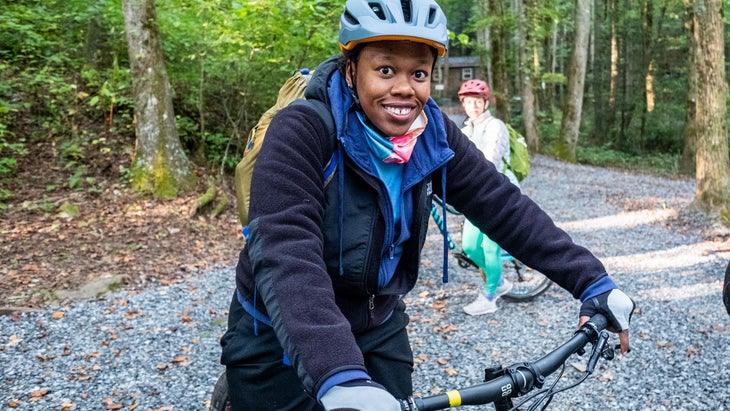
{"x":349,"y":73}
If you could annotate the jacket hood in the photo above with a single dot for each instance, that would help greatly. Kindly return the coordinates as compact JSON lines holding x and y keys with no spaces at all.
{"x":317,"y":87}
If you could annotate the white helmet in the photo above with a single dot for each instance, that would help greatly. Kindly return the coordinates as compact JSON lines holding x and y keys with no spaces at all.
{"x":366,"y":21}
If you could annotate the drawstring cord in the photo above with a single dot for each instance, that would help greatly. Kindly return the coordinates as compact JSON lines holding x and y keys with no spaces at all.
{"x":341,"y":201}
{"x":445,"y":231}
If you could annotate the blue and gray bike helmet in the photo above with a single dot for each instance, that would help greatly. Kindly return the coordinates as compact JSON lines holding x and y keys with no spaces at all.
{"x":366,"y":21}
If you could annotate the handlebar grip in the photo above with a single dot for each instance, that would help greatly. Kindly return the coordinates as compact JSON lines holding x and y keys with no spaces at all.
{"x":598,"y":323}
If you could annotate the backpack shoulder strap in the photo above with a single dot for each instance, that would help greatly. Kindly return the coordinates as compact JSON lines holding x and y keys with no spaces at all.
{"x":324,"y":112}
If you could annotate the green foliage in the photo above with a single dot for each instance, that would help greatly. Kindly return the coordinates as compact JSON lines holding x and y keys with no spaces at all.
{"x":64,"y":65}
{"x":64,"y":75}
{"x":226,"y":60}
{"x":219,"y":151}
{"x":554,"y":78}
{"x":660,"y":163}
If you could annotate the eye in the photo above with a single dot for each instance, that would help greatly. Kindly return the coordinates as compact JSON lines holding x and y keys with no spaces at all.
{"x":420,"y":75}
{"x":385,"y":70}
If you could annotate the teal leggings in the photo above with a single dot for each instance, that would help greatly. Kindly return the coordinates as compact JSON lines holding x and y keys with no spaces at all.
{"x":485,"y":253}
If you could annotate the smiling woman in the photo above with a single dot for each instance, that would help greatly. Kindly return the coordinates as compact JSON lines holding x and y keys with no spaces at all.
{"x":318,"y":319}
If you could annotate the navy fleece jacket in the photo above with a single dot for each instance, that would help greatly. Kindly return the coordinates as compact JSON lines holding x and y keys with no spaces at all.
{"x":286,"y":270}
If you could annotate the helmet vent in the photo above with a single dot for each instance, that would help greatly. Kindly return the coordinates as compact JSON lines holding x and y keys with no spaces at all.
{"x":350,"y":18}
{"x":432,"y":15}
{"x":406,"y":5}
{"x":378,"y":10}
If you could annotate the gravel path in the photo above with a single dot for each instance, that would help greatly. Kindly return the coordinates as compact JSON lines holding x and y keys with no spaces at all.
{"x":158,"y":349}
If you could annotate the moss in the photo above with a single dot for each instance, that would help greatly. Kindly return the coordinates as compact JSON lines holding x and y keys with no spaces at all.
{"x":160,"y":180}
{"x":220,"y":207}
{"x":563,"y":151}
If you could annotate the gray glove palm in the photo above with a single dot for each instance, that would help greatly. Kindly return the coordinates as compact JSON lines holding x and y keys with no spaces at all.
{"x":614,"y":304}
{"x":359,"y":395}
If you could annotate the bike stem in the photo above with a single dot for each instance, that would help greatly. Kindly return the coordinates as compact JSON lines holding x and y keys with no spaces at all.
{"x":505,"y":403}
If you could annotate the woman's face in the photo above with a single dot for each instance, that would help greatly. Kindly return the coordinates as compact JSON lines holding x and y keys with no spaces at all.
{"x":474,"y":106}
{"x":393,"y":83}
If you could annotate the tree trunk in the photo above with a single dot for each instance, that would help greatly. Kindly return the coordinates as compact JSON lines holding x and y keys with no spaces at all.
{"x":570,"y":126}
{"x":500,"y":88}
{"x":527,"y":93}
{"x":687,"y":163}
{"x":713,"y":165}
{"x":159,"y":166}
{"x":610,"y":124}
{"x":599,"y":61}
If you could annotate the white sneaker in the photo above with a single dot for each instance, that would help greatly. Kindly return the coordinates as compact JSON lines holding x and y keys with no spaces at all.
{"x":481,"y":305}
{"x":504,"y":288}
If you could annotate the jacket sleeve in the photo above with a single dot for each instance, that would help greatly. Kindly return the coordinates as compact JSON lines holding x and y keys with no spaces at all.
{"x":286,"y":248}
{"x":513,"y":220}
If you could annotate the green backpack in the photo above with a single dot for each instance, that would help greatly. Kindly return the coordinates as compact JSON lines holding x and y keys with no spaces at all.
{"x":519,"y":157}
{"x":292,"y":92}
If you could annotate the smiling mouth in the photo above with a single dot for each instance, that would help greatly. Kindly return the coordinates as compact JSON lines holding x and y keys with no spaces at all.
{"x":399,"y":111}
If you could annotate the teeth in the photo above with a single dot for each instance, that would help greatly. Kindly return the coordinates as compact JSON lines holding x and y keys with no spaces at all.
{"x":398,"y":110}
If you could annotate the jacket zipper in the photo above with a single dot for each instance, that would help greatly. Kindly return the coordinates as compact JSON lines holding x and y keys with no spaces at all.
{"x":371,"y":306}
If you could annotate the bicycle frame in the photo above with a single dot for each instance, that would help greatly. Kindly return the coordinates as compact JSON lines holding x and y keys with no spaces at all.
{"x":521,"y":378}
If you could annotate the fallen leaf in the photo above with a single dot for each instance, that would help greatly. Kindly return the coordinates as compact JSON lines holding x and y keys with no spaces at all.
{"x":435,"y":390}
{"x":579,"y":366}
{"x":451,"y":371}
{"x":664,"y":344}
{"x":14,"y":340}
{"x":438,"y":305}
{"x":13,"y":404}
{"x":691,"y":351}
{"x":446,"y":328}
{"x":131,"y":314}
{"x":57,"y":315}
{"x":39,"y":393}
{"x":443,"y":360}
{"x":606,"y":376}
{"x":67,"y":406}
{"x":420,"y":359}
{"x":45,"y":358}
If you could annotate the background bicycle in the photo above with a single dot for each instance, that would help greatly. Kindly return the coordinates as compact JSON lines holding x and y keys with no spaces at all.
{"x":527,"y":283}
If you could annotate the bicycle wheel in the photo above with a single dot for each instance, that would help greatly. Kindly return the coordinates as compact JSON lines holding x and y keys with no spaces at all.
{"x":219,"y":399}
{"x":527,"y":283}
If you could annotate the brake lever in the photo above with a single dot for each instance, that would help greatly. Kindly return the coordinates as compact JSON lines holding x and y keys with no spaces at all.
{"x":600,"y":349}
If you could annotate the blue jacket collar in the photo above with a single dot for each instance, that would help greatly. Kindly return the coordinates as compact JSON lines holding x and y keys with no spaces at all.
{"x":431,"y":151}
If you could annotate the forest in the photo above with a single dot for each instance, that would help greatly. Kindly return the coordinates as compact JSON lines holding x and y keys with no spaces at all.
{"x":67,"y":71}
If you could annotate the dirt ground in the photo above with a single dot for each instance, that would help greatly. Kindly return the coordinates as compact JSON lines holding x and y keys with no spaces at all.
{"x":59,"y":243}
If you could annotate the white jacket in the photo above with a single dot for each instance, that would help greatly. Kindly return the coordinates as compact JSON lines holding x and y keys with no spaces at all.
{"x":490,"y":135}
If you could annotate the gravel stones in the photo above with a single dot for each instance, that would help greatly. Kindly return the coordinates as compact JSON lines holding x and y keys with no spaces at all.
{"x":158,"y":349}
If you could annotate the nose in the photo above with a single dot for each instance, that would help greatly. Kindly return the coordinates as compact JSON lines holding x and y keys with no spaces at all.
{"x":402,"y":86}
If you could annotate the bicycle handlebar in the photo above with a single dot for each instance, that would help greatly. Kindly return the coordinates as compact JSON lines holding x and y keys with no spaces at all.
{"x":519,"y":378}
